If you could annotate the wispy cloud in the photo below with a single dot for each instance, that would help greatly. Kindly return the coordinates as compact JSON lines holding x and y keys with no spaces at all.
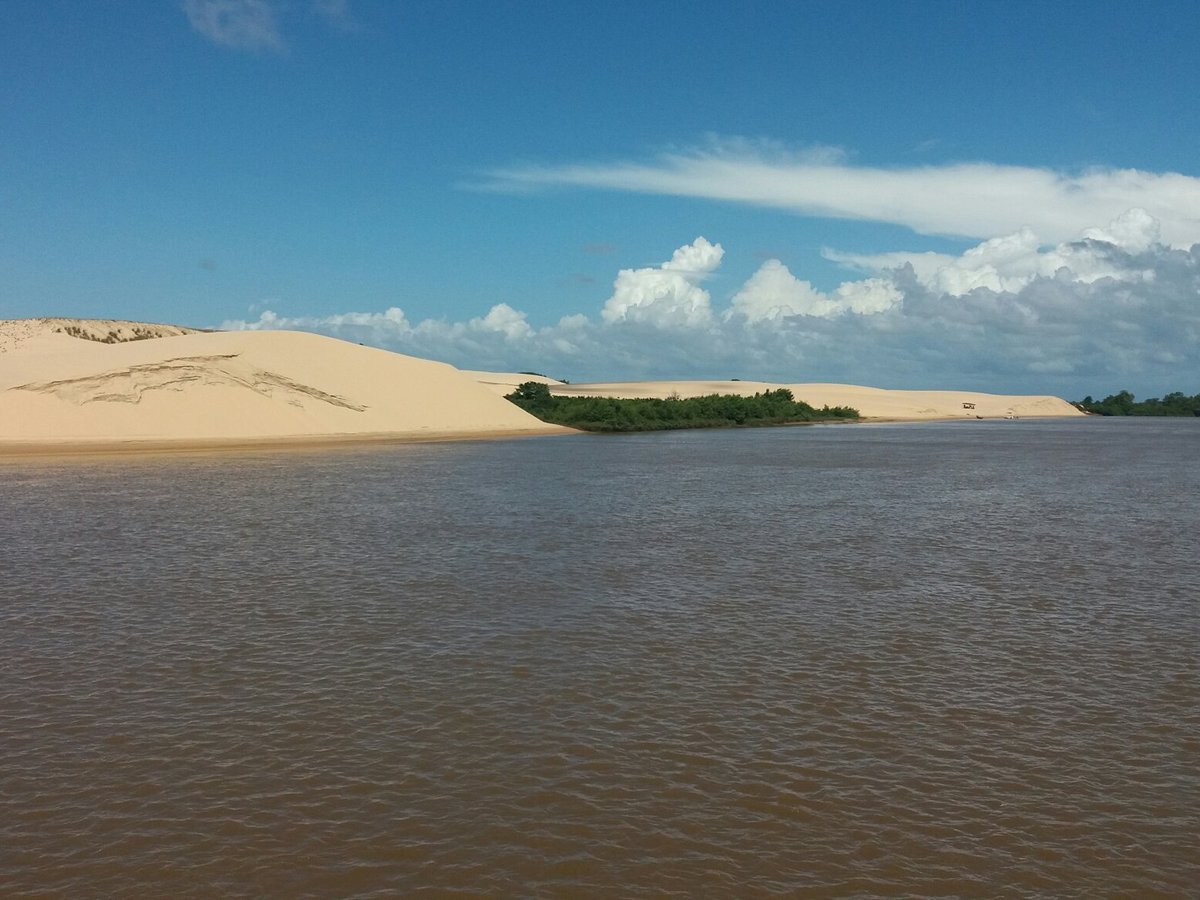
{"x":974,"y":200}
{"x":1008,"y":315}
{"x":237,"y":24}
{"x":254,"y":25}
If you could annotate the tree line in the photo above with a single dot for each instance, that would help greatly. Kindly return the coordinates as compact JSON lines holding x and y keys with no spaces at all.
{"x":1125,"y":404}
{"x":777,"y":407}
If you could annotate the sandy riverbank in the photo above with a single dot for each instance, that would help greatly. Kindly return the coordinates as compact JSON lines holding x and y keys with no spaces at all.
{"x":72,"y":386}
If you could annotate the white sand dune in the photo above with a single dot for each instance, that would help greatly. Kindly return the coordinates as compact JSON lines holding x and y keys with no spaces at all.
{"x":872,"y":403}
{"x":217,"y":388}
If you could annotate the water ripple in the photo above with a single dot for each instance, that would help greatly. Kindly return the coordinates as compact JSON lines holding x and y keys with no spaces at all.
{"x":928,"y":661}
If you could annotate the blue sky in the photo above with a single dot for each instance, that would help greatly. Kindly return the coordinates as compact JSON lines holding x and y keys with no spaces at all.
{"x":991,"y":195}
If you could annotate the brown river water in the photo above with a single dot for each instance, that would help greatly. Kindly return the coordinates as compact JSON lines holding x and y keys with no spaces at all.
{"x":939,"y":660}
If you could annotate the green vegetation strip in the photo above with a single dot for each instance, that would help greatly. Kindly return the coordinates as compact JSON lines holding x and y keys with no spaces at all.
{"x":777,"y":407}
{"x":1123,"y":404}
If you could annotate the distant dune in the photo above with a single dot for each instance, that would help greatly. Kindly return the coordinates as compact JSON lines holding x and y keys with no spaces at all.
{"x":504,"y":382}
{"x":71,"y":384}
{"x":872,"y":403}
{"x":14,"y":332}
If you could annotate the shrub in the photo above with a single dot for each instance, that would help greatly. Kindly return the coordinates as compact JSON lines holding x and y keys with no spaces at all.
{"x":777,"y":407}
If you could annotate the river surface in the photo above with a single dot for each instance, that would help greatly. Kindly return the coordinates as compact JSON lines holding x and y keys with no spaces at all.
{"x":937,"y":660}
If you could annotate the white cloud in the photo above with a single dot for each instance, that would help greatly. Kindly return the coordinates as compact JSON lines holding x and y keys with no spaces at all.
{"x":1033,"y":328}
{"x":669,"y":295}
{"x":505,"y":320}
{"x":1135,"y":229}
{"x":965,"y":199}
{"x":239,"y":24}
{"x":773,"y":293}
{"x":872,"y":295}
{"x":1010,"y":262}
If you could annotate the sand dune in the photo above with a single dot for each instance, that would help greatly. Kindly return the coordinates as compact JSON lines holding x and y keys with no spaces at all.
{"x":872,"y":403}
{"x":70,"y":384}
{"x":230,"y":387}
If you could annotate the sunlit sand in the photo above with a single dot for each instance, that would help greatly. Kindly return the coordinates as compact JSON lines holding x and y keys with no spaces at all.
{"x":214,"y":388}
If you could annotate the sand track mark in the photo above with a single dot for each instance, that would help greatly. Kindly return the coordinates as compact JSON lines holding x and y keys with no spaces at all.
{"x":129,"y":385}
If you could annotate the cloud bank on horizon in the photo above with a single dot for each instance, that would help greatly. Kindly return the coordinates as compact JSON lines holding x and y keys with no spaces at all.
{"x":1009,"y":314}
{"x":1078,"y":280}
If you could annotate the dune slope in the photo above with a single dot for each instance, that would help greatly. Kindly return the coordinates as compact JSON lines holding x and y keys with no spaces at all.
{"x":212,"y":388}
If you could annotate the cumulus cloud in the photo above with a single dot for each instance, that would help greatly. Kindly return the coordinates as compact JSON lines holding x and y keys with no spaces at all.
{"x":505,"y":320}
{"x":976,"y":200}
{"x":774,"y":293}
{"x":668,"y":295}
{"x":1091,"y":316}
{"x":1135,"y":229}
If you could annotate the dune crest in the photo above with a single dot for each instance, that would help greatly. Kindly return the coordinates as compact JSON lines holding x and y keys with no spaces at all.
{"x":14,"y":332}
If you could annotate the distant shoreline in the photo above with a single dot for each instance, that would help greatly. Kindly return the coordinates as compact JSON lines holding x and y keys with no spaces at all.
{"x":21,"y":451}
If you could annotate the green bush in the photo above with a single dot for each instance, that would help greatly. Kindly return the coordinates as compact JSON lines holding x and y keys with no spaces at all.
{"x":1124,"y":404}
{"x":777,"y":407}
